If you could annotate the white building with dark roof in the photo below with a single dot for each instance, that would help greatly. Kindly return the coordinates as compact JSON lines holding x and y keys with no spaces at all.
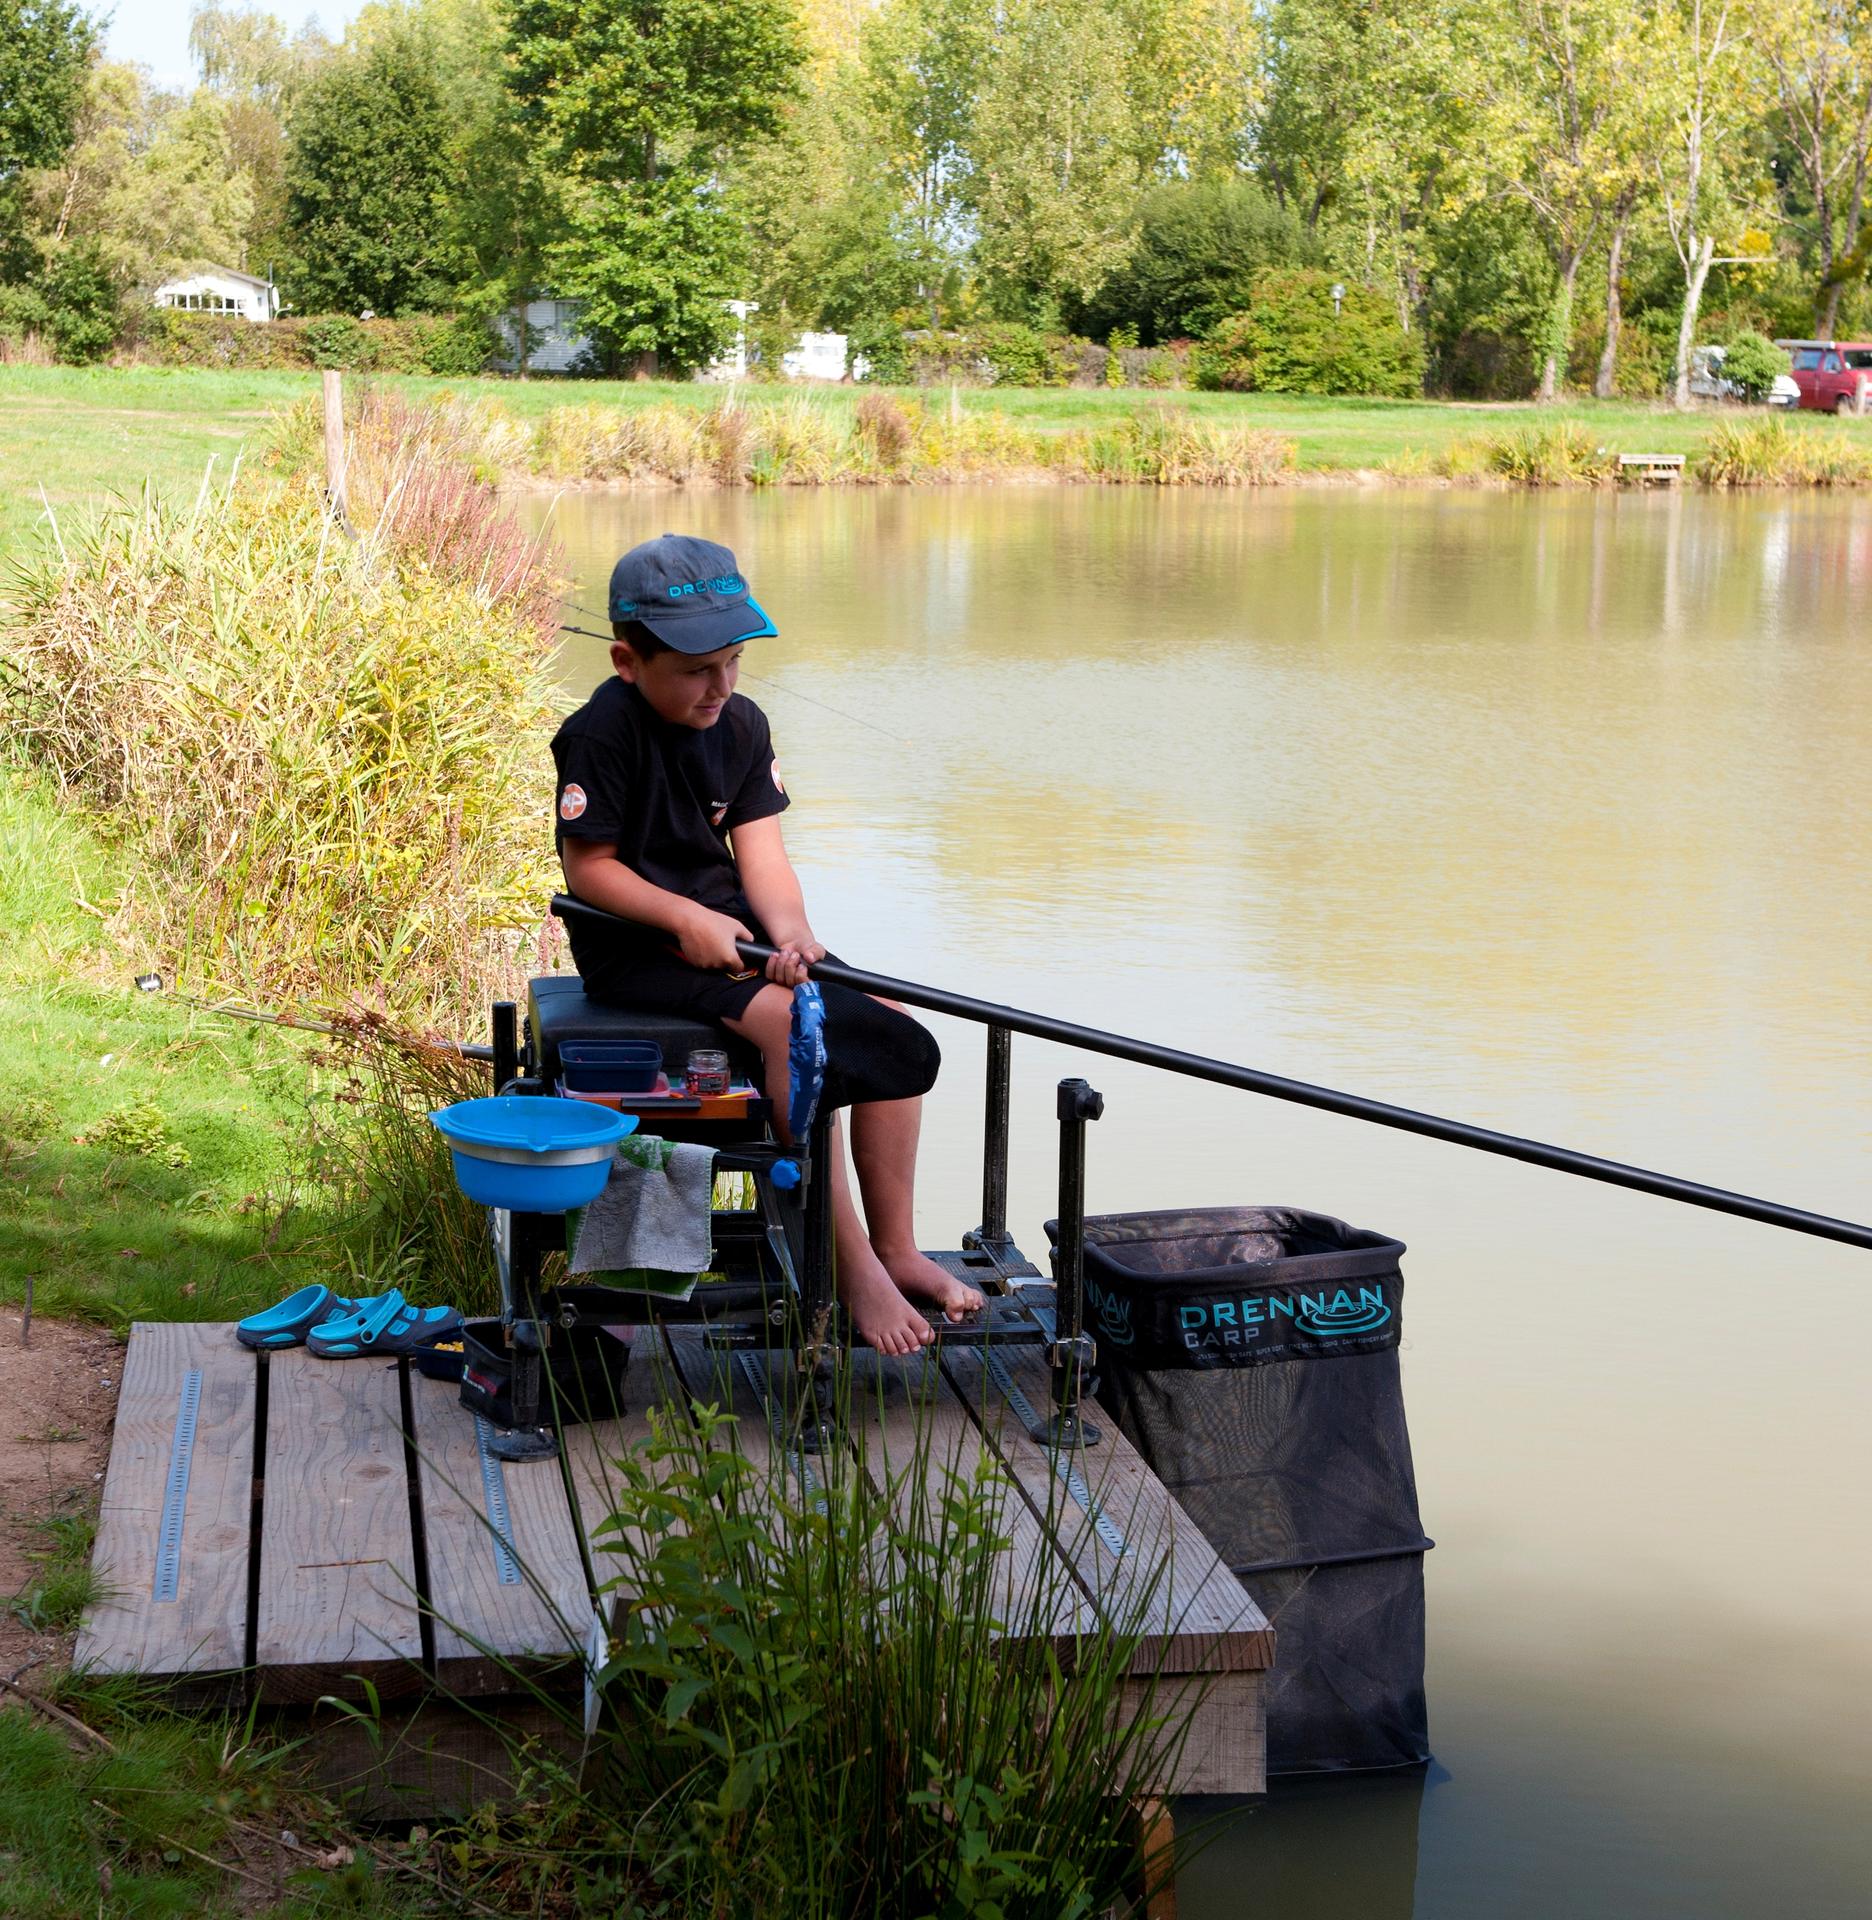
{"x":220,"y":290}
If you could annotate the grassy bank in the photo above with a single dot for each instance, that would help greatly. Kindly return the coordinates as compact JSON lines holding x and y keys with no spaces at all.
{"x":79,"y":432}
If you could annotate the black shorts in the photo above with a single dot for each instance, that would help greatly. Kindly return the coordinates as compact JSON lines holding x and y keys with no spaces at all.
{"x":873,"y":1052}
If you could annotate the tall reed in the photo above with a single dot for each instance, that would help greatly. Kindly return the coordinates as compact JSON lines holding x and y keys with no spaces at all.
{"x":385,"y":1172}
{"x":1775,"y":452}
{"x":1557,"y":453}
{"x":836,"y":1702}
{"x":800,"y":440}
{"x":317,"y":752}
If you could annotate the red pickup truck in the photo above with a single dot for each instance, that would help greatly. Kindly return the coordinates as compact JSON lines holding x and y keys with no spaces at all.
{"x":1834,"y":376}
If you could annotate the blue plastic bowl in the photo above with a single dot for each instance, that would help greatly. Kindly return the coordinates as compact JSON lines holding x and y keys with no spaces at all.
{"x":532,"y":1153}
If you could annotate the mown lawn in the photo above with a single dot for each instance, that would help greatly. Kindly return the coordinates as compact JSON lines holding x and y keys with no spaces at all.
{"x":79,"y":432}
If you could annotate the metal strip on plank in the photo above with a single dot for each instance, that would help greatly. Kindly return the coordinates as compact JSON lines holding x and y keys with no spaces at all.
{"x":168,"y":1581}
{"x":1070,"y":1476}
{"x":802,"y":1467}
{"x":494,"y":1498}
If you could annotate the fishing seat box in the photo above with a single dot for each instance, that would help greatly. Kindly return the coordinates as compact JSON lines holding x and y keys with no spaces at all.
{"x":558,"y":1010}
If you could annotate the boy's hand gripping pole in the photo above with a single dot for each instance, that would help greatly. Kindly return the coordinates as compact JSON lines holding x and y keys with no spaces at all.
{"x":1072,"y":1354}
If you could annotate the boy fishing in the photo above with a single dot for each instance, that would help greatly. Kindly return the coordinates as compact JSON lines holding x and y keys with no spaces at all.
{"x":668,"y":814}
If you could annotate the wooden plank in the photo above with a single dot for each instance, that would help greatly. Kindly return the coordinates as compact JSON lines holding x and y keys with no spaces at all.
{"x":496,"y":1614}
{"x":717,"y":1377}
{"x":1221,"y":1720}
{"x":203,"y":1631}
{"x":905,"y":1411}
{"x":338,"y":1602}
{"x":1195,"y":1615}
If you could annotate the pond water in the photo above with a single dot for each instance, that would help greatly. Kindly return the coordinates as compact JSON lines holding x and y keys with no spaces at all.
{"x":1547,"y":813}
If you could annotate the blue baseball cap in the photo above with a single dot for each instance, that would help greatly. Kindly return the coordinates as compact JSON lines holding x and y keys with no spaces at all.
{"x":689,"y":593}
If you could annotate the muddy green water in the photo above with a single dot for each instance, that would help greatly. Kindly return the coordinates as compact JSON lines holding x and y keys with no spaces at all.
{"x":1546,"y":813}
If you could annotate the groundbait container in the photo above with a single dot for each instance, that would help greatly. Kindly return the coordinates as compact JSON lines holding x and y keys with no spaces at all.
{"x":1250,"y":1354}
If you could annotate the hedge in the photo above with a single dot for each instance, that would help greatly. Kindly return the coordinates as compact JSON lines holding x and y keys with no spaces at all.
{"x":452,"y":344}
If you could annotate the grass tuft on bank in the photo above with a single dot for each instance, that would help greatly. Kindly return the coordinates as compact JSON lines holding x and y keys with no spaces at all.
{"x":312,"y":755}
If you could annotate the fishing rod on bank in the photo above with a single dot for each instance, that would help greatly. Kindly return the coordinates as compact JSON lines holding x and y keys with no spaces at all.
{"x":1223,"y":1073}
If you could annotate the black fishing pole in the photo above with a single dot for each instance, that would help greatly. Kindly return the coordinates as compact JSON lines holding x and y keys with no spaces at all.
{"x":1302,"y":1093}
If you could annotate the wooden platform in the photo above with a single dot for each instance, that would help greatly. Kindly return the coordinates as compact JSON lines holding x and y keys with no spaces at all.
{"x":307,"y":1531}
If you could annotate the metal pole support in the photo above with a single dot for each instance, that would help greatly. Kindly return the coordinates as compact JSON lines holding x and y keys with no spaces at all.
{"x":506,"y":1047}
{"x":529,"y":1438}
{"x":1072,"y":1354}
{"x":818,"y":1296}
{"x":992,"y":1234}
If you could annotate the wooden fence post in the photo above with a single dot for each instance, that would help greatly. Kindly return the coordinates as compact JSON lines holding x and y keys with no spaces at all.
{"x":335,"y":442}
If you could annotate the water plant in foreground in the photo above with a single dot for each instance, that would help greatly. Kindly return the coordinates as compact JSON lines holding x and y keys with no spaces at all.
{"x":848,"y":1697}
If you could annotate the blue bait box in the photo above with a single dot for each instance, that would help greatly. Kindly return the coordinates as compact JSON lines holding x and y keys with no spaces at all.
{"x":531,"y":1153}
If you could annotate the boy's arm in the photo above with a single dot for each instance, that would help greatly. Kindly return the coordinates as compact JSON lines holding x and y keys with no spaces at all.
{"x":773,"y":891}
{"x":598,"y":877}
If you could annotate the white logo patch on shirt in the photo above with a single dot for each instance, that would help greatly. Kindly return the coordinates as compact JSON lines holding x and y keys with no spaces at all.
{"x":775,"y":771}
{"x":572,"y":802}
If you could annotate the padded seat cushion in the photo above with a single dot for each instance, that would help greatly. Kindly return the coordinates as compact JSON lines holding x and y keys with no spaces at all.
{"x":558,"y":1010}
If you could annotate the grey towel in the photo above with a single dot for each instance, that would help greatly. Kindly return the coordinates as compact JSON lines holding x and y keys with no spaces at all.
{"x":653,"y":1212}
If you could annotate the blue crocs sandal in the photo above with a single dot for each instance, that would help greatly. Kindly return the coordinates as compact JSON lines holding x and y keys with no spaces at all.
{"x":388,"y":1324}
{"x":287,"y":1324}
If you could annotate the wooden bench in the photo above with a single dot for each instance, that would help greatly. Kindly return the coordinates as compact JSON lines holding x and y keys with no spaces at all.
{"x":1647,"y":468}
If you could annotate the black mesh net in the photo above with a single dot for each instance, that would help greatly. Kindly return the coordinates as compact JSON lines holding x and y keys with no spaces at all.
{"x":1250,"y":1355}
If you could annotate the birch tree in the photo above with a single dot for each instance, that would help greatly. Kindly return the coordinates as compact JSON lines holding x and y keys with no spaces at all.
{"x":1819,"y":53}
{"x":1551,"y":130}
{"x":1702,"y":65}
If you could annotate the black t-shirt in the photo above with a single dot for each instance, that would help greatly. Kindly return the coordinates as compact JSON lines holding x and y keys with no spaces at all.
{"x":667,"y":797}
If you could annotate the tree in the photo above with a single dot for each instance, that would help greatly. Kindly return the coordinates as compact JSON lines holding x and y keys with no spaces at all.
{"x":149,"y":187}
{"x":833,"y":240}
{"x":640,"y":102}
{"x":1699,"y":63}
{"x":921,"y":64}
{"x":1368,"y":133}
{"x":370,"y":182}
{"x":245,"y":54}
{"x":45,"y":49}
{"x":1056,"y":161}
{"x":1197,"y":250}
{"x":257,"y":71}
{"x":503,"y":212}
{"x":1820,"y":54}
{"x":1553,"y":136}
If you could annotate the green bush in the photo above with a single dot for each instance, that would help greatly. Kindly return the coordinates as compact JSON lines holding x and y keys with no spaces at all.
{"x":1754,"y":363}
{"x":81,"y":307}
{"x":882,"y":345}
{"x":336,"y":340}
{"x":1195,"y":258}
{"x":1290,"y":341}
{"x":23,"y":314}
{"x":999,"y":353}
{"x":1019,"y":356}
{"x":850,"y":1702}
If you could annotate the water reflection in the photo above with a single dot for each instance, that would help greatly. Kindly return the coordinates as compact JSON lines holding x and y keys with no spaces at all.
{"x":1546,"y":812}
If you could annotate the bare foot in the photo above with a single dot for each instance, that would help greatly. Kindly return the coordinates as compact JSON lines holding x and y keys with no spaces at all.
{"x":921,"y":1278}
{"x":883,"y":1318}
